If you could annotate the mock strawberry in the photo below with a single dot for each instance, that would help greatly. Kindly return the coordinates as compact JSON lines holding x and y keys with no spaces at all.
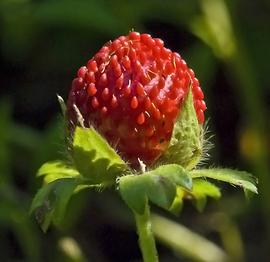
{"x":132,"y":92}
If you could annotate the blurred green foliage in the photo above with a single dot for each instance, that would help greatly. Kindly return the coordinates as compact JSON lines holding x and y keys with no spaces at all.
{"x":43,"y":43}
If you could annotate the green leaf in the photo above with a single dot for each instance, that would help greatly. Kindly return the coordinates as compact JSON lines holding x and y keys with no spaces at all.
{"x":234,"y":177}
{"x":177,"y":204}
{"x":201,"y":190}
{"x":158,"y":186}
{"x":185,"y":147}
{"x":133,"y":191}
{"x":176,"y":173}
{"x":94,"y":158}
{"x":49,"y":204}
{"x":56,"y":170}
{"x":57,"y":166}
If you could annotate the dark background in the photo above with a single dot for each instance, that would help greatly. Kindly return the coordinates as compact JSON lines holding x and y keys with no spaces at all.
{"x":44,"y":42}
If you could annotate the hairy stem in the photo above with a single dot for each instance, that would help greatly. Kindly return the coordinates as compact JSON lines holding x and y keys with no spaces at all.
{"x":146,"y":237}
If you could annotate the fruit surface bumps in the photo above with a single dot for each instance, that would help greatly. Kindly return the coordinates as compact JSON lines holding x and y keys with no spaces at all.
{"x":132,"y":92}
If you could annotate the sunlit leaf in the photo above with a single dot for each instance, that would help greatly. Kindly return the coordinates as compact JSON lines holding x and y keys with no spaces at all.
{"x":94,"y":158}
{"x":57,"y":167}
{"x":201,"y":190}
{"x":56,"y":170}
{"x":234,"y":177}
{"x":177,"y":204}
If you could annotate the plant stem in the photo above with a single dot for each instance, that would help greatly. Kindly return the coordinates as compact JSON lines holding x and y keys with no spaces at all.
{"x":146,"y":237}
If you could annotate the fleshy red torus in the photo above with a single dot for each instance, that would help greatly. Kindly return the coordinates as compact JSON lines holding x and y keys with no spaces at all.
{"x":132,"y":91}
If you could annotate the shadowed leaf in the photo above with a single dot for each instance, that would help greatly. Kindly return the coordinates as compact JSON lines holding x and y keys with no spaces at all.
{"x":158,"y":186}
{"x":49,"y":204}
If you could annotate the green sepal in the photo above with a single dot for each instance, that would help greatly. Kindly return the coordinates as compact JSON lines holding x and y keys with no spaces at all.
{"x":177,"y":204}
{"x":94,"y":158}
{"x":158,"y":186}
{"x":201,"y":190}
{"x":234,"y":177}
{"x":49,"y":204}
{"x":56,"y":170}
{"x":185,"y":146}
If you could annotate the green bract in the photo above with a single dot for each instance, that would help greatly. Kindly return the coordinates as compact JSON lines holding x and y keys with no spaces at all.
{"x":95,"y":164}
{"x":94,"y":158}
{"x":158,"y":185}
{"x":185,"y":147}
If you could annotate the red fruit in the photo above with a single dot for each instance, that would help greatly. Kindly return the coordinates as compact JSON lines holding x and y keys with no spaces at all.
{"x":132,"y":91}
